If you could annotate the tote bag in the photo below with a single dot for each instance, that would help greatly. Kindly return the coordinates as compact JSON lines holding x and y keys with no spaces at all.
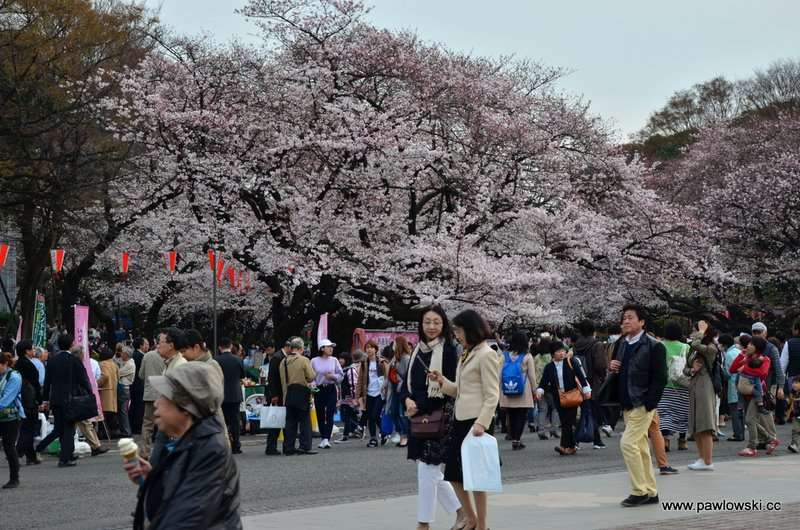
{"x":273,"y":417}
{"x":480,"y":463}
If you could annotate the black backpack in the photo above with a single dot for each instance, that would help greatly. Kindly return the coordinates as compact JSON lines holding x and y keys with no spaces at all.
{"x":715,"y":372}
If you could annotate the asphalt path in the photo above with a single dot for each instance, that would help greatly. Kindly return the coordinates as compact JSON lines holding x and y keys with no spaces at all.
{"x":97,"y":494}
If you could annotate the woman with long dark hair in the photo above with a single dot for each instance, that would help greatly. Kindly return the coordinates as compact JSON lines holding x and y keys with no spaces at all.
{"x":702,"y":398}
{"x":477,"y":392}
{"x":434,"y":351}
{"x":518,"y":378}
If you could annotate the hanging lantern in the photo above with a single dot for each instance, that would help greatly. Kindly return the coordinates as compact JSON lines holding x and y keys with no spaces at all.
{"x":220,"y":269}
{"x":172,"y":260}
{"x":239,"y":280}
{"x":124,"y":262}
{"x":212,"y":260}
{"x":3,"y":254}
{"x":57,"y":259}
{"x":247,"y":284}
{"x":232,"y":276}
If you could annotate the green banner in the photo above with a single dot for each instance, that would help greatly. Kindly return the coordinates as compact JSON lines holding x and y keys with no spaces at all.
{"x":40,"y":322}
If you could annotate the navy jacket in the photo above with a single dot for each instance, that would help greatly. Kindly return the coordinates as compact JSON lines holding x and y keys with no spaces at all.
{"x":233,"y":371}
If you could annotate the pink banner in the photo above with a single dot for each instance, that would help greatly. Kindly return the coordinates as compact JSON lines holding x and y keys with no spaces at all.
{"x":383,"y":338}
{"x":322,"y":329}
{"x":19,"y":331}
{"x":82,"y":338}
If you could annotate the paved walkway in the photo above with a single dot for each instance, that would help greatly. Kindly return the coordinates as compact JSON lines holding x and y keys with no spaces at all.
{"x":588,"y":501}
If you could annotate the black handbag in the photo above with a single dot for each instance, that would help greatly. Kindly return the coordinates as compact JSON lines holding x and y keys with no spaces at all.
{"x":80,"y":407}
{"x":297,"y":395}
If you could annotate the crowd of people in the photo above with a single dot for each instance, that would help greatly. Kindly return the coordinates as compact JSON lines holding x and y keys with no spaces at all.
{"x":459,"y":378}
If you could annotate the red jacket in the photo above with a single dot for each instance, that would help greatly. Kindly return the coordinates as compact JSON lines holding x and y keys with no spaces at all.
{"x":741,"y":361}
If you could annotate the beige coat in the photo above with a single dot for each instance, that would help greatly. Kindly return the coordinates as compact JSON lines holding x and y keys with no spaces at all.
{"x":477,"y":385}
{"x":525,"y":400}
{"x":152,"y":364}
{"x":702,"y":399}
{"x":299,"y":370}
{"x":107,"y":385}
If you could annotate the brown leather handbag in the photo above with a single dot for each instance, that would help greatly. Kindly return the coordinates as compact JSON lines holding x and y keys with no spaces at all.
{"x":431,"y":426}
{"x":571,"y":398}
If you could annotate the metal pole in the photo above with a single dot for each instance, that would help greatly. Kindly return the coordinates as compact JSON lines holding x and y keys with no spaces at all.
{"x":214,"y":303}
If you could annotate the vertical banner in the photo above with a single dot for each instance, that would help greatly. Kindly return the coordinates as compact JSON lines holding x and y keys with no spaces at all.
{"x":40,"y":322}
{"x":19,"y":331}
{"x":82,"y":338}
{"x":322,"y":329}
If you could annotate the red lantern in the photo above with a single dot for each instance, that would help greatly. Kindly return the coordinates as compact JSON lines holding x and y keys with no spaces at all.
{"x":3,"y":254}
{"x":220,"y":269}
{"x":172,"y":260}
{"x":123,"y":266}
{"x":212,"y":260}
{"x":232,"y":276}
{"x":239,"y":282}
{"x":57,"y":259}
{"x":247,"y":284}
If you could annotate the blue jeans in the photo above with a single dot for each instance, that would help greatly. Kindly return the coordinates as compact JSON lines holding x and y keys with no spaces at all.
{"x":397,"y":409}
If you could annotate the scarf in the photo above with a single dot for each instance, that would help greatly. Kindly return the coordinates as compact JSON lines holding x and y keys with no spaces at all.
{"x":437,"y":346}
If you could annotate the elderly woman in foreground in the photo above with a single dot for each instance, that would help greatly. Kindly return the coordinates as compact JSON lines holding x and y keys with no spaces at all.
{"x":191,"y":480}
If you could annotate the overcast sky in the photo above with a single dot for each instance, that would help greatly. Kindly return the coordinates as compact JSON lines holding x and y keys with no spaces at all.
{"x":627,"y":56}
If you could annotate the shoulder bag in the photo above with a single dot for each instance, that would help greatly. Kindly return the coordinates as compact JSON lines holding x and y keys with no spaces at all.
{"x":79,"y":407}
{"x":430,"y":426}
{"x":297,"y":395}
{"x":571,"y":398}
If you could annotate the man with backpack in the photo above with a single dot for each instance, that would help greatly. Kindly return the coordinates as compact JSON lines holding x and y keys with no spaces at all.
{"x":592,"y":355}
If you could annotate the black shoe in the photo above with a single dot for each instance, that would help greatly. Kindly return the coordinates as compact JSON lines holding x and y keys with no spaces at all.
{"x":735,"y":439}
{"x":99,"y":451}
{"x":543,"y":436}
{"x":237,"y":451}
{"x":34,"y":462}
{"x":304,"y":452}
{"x":532,"y":428}
{"x":272,"y":452}
{"x":289,"y":453}
{"x":761,"y":446}
{"x":373,"y":443}
{"x":668,"y":470}
{"x":69,"y":463}
{"x":635,"y":500}
{"x":384,"y":439}
{"x":652,"y":500}
{"x":11,"y":484}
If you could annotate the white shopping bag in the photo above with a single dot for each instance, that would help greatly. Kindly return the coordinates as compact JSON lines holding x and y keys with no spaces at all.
{"x":44,"y":428}
{"x":273,"y":417}
{"x":480,"y":462}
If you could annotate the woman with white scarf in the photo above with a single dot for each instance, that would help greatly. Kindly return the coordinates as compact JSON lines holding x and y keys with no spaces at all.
{"x":435,"y":351}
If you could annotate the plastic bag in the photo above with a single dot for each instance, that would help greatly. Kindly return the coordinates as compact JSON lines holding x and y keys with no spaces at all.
{"x":273,"y":417}
{"x":480,"y":463}
{"x":585,"y":431}
{"x":387,"y":426}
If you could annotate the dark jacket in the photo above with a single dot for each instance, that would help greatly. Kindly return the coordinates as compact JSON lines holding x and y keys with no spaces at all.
{"x":549,"y":380}
{"x":58,"y":386}
{"x":31,"y":389}
{"x":594,"y":358}
{"x":137,"y":387}
{"x":233,"y":372}
{"x":274,"y":388}
{"x":646,"y":373}
{"x":194,"y":486}
{"x":419,"y":388}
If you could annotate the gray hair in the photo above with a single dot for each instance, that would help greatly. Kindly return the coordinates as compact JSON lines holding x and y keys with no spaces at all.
{"x":77,"y":351}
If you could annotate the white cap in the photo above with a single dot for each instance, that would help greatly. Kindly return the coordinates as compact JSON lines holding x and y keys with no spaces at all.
{"x":760,"y":327}
{"x":326,"y":342}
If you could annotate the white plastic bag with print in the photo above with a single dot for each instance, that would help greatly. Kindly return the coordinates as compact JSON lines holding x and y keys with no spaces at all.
{"x":480,"y":462}
{"x":273,"y":417}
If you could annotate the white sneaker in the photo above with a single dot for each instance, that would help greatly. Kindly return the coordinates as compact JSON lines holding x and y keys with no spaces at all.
{"x":607,"y":430}
{"x":396,"y":438}
{"x":699,"y":465}
{"x":321,"y":444}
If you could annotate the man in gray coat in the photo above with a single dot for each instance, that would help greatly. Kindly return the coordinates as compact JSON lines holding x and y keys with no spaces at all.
{"x":152,"y":364}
